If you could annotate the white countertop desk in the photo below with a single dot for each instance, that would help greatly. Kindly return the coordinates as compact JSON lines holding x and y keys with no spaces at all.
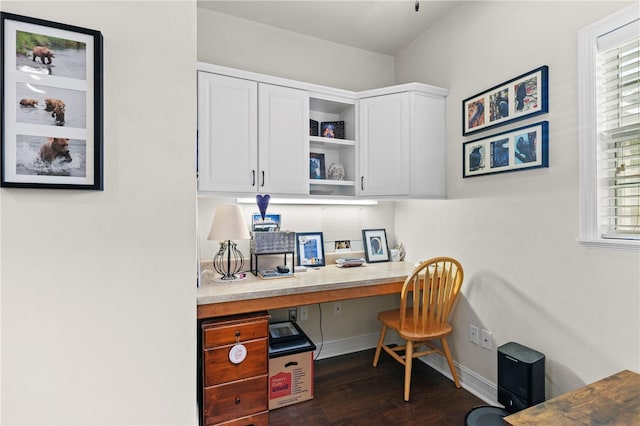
{"x":325,"y":284}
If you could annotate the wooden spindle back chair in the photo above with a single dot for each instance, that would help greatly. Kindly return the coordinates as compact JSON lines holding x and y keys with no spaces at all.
{"x":427,"y":298}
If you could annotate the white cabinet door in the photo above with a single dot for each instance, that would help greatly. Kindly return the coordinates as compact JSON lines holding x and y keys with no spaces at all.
{"x":283,"y":148}
{"x":427,"y":146}
{"x":384,"y":145}
{"x":227,"y":134}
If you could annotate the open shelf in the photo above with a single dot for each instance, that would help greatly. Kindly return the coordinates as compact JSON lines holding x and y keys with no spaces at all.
{"x":334,"y":150}
{"x":319,"y":140}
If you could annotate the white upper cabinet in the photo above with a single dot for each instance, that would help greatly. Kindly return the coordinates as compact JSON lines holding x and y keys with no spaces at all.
{"x":255,"y":135}
{"x":402,"y":142}
{"x":252,"y":137}
{"x":227,"y":134}
{"x":283,"y":151}
{"x":384,"y":147}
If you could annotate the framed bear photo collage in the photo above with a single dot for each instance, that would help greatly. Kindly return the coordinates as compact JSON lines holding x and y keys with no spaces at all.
{"x":52,"y":94}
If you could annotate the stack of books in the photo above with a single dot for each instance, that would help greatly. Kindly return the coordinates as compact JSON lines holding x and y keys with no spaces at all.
{"x":272,"y":273}
{"x":349,"y":262}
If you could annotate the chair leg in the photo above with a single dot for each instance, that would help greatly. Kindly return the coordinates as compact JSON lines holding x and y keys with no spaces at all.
{"x":447,"y":354}
{"x":407,"y":369}
{"x":383,"y":333}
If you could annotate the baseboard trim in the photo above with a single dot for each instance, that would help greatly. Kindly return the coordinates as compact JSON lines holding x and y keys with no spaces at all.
{"x":346,"y":346}
{"x":469,"y":380}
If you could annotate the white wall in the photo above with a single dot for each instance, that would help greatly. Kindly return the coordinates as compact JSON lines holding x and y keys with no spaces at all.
{"x":239,"y":43}
{"x":99,"y":288}
{"x":527,"y":279}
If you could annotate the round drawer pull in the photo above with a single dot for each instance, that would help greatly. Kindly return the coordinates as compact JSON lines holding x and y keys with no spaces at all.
{"x":237,"y":400}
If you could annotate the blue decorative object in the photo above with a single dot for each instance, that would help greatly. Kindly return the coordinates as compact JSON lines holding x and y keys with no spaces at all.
{"x":263,"y":203}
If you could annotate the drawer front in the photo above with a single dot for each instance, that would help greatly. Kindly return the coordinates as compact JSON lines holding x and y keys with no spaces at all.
{"x":218,"y":334}
{"x":261,"y":419}
{"x":234,"y":400}
{"x":218,"y":369}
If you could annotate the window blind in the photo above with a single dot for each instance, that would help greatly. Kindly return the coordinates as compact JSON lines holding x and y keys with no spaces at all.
{"x":618,"y":100}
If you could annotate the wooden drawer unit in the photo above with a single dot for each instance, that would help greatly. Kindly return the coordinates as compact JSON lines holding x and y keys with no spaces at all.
{"x":236,"y":394}
{"x":261,"y":419}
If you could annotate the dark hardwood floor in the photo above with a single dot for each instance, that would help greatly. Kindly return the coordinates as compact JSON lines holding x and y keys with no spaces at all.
{"x":350,"y":391}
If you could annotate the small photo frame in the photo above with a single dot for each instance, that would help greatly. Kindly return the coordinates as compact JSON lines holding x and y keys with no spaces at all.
{"x":522,"y":97}
{"x":313,"y":128}
{"x":51,"y":94}
{"x":342,"y":246}
{"x":332,"y":129}
{"x":310,"y":248}
{"x":270,"y":223}
{"x":283,"y":331}
{"x":375,"y":245}
{"x":316,"y":166}
{"x":518,"y":149}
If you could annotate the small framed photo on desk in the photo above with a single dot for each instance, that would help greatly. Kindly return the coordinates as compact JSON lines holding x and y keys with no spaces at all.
{"x":375,"y":245}
{"x":310,"y":248}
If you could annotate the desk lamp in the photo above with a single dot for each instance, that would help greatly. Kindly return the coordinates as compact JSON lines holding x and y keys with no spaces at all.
{"x":228,"y":224}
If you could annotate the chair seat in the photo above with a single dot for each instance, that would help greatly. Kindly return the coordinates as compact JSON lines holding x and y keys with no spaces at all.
{"x":392,"y":320}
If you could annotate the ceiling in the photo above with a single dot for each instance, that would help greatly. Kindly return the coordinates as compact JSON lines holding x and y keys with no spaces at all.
{"x":378,"y":26}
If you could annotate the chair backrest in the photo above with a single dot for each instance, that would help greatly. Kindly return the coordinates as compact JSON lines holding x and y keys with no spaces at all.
{"x":430,"y":291}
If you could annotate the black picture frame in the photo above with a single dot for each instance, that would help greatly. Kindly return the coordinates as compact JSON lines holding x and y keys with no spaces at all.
{"x":313,"y":128}
{"x":524,"y":96}
{"x":376,"y":248}
{"x":317,"y":166}
{"x":310,"y":249}
{"x":523,"y":148}
{"x":332,"y":129}
{"x":52,"y":128}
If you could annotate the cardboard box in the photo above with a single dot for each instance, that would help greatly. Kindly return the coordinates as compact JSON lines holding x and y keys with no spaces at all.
{"x":290,"y":365}
{"x":290,"y":379}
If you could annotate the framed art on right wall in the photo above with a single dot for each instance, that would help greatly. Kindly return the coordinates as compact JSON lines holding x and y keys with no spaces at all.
{"x":518,"y":149}
{"x":522,"y":97}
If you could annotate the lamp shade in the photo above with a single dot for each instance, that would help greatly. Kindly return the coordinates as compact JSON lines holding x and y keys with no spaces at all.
{"x":228,"y":224}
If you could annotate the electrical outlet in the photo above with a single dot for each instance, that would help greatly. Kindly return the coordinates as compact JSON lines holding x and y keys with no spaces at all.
{"x":337,"y":308}
{"x":293,"y":314}
{"x":473,"y":334}
{"x":304,"y":313}
{"x":486,"y":339}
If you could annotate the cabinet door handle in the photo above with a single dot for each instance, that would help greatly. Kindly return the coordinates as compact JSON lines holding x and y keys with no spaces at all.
{"x":362,"y":183}
{"x":262,"y":178}
{"x":253,"y":178}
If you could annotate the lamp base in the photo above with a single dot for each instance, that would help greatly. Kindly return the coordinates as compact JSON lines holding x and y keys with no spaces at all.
{"x":234,"y":279}
{"x":228,"y":262}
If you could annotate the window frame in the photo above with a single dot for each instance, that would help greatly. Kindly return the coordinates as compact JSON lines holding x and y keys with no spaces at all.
{"x":587,"y":128}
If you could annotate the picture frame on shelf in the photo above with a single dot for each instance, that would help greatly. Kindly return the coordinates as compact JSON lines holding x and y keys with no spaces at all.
{"x":270,"y":223}
{"x":316,"y":166}
{"x":313,"y":128}
{"x":523,"y":148}
{"x":310,"y":249}
{"x":342,"y":246}
{"x":332,"y":129}
{"x":524,"y":96}
{"x":52,"y":103}
{"x":375,"y":244}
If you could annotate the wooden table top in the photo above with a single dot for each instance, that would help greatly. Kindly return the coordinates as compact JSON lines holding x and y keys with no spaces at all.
{"x":319,"y":285}
{"x":614,"y":400}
